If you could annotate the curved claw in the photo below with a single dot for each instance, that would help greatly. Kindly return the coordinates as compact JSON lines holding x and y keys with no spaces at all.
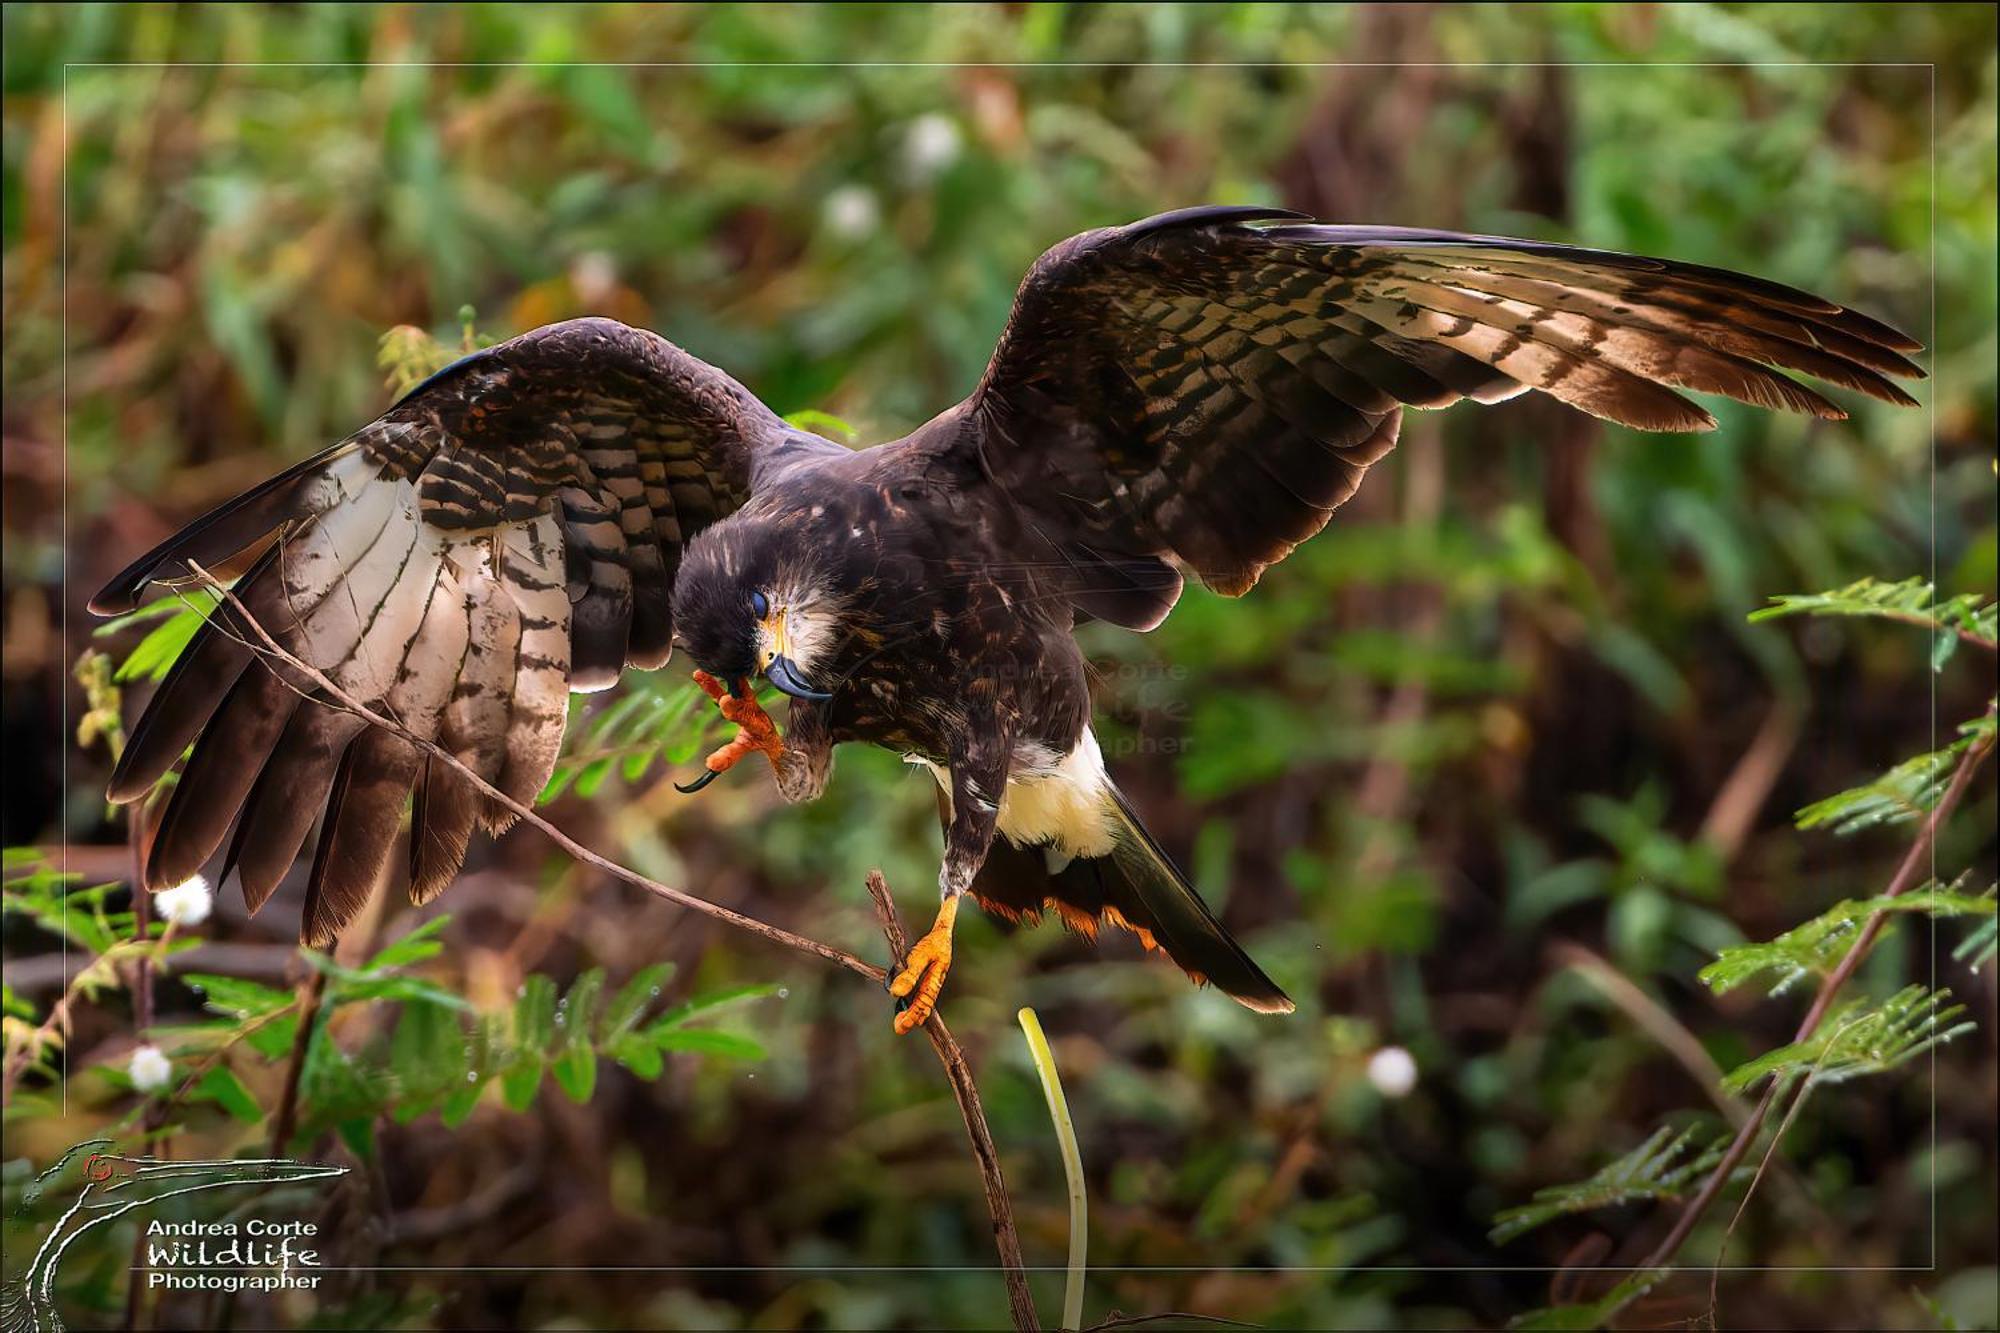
{"x":708,"y":775}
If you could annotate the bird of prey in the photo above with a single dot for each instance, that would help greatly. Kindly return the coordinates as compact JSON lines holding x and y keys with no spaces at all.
{"x":1187,"y":396}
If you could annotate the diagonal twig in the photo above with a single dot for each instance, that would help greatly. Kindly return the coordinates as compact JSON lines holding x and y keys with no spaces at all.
{"x":1020,"y":1300}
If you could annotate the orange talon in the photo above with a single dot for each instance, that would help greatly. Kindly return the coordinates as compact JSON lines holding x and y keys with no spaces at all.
{"x":754,"y":730}
{"x":924,"y":970}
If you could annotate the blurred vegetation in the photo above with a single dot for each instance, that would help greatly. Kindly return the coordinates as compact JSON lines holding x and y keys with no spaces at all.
{"x":1498,"y":753}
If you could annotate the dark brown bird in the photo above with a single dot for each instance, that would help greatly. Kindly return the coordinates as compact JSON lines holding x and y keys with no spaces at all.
{"x":1189,"y":395}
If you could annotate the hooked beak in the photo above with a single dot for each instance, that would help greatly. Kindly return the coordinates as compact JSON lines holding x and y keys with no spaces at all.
{"x":782,"y":672}
{"x":780,"y":669}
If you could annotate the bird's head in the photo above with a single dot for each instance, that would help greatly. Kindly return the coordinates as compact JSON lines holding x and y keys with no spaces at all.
{"x":752,"y":598}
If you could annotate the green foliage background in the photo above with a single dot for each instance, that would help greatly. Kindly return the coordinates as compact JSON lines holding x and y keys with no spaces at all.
{"x":1510,"y":704}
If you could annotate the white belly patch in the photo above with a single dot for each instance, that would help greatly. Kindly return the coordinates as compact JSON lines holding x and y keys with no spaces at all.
{"x":1060,"y":801}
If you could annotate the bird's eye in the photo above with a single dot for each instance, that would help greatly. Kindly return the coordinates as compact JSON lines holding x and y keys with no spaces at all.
{"x":760,"y":605}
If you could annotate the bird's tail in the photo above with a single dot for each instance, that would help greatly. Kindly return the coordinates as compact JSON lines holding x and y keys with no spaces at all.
{"x":1135,"y":886}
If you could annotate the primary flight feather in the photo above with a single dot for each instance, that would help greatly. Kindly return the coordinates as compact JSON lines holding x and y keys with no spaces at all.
{"x":1193,"y":394}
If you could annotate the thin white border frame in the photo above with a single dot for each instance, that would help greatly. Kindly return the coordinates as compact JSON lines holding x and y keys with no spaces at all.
{"x":1931,"y":354}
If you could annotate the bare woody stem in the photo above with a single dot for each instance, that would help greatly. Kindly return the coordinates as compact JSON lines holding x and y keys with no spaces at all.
{"x":1908,"y":875}
{"x":1020,"y":1300}
{"x":283,"y":1122}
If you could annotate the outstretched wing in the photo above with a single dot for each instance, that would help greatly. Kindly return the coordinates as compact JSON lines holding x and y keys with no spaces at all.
{"x":508,"y":532}
{"x":1197,"y":390}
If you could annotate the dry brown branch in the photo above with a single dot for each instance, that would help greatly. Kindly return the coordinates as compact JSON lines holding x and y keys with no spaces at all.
{"x":1020,"y":1300}
{"x":1654,"y":1020}
{"x":1742,"y":795}
{"x":311,"y":993}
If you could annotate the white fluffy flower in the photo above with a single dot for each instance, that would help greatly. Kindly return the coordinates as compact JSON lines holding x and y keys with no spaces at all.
{"x":185,"y":904}
{"x":1393,"y":1071}
{"x":150,"y":1069}
{"x":930,"y":145}
{"x":852,"y":212}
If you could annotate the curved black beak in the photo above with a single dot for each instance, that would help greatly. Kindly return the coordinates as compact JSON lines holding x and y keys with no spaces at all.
{"x":783,"y":674}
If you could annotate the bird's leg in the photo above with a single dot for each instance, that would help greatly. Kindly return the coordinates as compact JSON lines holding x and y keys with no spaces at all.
{"x":754,"y":730}
{"x":975,"y":814}
{"x":924,"y":970}
{"x":807,"y":761}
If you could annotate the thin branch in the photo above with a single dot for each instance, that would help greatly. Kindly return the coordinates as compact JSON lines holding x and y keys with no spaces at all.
{"x":311,"y":994}
{"x":1908,"y":875}
{"x":138,"y":830}
{"x":1020,"y":1300}
{"x":1650,"y":1015}
{"x":576,"y":849}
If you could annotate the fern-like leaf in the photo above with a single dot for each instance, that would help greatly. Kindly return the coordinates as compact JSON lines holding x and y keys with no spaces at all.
{"x":1816,"y":947}
{"x":1968,"y":618}
{"x":1594,"y":1314}
{"x":1660,"y":1168}
{"x":1858,"y":1040}
{"x":1906,"y":792}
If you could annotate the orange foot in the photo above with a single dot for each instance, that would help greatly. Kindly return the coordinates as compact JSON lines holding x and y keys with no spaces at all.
{"x":754,"y":730}
{"x":923,"y":971}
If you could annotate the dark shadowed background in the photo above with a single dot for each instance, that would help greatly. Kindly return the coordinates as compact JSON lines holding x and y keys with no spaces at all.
{"x":1497,"y":744}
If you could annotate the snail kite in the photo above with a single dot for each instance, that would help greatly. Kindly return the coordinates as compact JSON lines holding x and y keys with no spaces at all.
{"x":1191,"y":395}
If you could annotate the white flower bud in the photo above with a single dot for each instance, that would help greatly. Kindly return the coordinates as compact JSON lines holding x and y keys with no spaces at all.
{"x":929,"y":146}
{"x":1393,"y":1071}
{"x":851,"y":212}
{"x":150,"y":1069}
{"x":185,"y":904}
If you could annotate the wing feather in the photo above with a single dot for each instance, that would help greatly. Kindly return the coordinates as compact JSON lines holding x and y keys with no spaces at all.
{"x":502,"y":534}
{"x":1200,"y":389}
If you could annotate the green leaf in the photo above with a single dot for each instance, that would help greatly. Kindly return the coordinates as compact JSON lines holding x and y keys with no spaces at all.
{"x":1816,"y":947}
{"x":1663,"y":1167}
{"x":1857,"y":1040}
{"x":1596,"y":1314}
{"x":223,"y":1088}
{"x":703,"y":1005}
{"x":235,"y":996}
{"x":153,"y":656}
{"x":359,"y":1136}
{"x":823,"y":423}
{"x":1977,"y":949}
{"x":522,"y":1079}
{"x":639,"y":1055}
{"x":273,"y":1040}
{"x":483,"y":1052}
{"x":577,"y":1011}
{"x":1912,"y":602}
{"x":622,"y":1014}
{"x":414,"y":947}
{"x":592,"y":777}
{"x":427,"y":1053}
{"x":575,"y":1070}
{"x":535,"y":1014}
{"x":1906,"y":792}
{"x":534,"y":1034}
{"x":575,"y":1066}
{"x":710,"y":1043}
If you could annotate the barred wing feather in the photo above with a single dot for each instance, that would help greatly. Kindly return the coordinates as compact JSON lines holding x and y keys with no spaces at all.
{"x":505,"y":534}
{"x":1202,"y":389}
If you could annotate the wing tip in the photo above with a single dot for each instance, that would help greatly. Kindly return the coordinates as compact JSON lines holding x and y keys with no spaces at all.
{"x":1276,"y":1004}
